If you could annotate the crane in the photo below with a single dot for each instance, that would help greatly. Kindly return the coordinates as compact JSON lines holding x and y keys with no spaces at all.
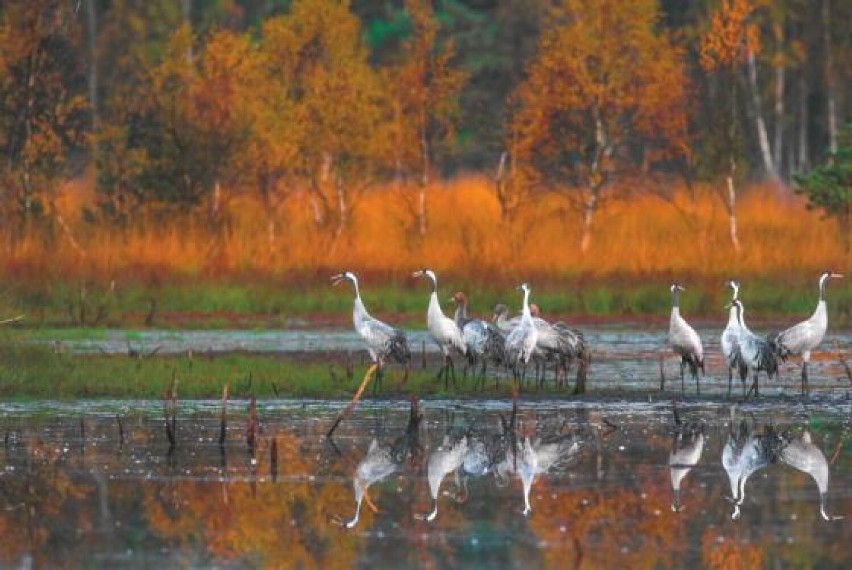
{"x":756,"y":352}
{"x":483,"y":340}
{"x":685,"y":341}
{"x":730,"y":341}
{"x":805,"y":336}
{"x":382,"y":340}
{"x":521,"y":340}
{"x":444,"y":330}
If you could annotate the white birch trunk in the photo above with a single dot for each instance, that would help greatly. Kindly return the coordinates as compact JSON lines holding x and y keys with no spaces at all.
{"x":760,"y":124}
{"x":803,"y":122}
{"x":588,"y":216}
{"x":829,"y":78}
{"x":778,"y":142}
{"x":732,"y":208}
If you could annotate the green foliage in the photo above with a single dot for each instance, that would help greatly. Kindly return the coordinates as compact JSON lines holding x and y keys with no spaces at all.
{"x":828,"y":187}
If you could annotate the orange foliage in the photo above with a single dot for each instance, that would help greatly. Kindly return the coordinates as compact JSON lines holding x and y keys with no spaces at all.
{"x":730,"y":36}
{"x":638,"y":235}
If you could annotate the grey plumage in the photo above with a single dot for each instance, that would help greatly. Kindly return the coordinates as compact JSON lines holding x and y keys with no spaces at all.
{"x":382,"y":339}
{"x":756,"y":352}
{"x":805,"y":336}
{"x":484,"y":341}
{"x":685,"y":341}
{"x":521,"y":340}
{"x":730,"y":342}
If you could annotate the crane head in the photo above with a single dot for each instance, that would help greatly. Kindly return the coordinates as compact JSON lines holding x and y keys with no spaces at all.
{"x":735,"y":287}
{"x":523,"y":287}
{"x":340,"y":277}
{"x":677,"y":287}
{"x":534,"y":310}
{"x":500,"y":310}
{"x":460,"y":298}
{"x":425,"y":272}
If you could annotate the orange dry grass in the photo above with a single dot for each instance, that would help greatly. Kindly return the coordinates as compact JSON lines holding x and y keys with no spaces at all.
{"x":640,"y":235}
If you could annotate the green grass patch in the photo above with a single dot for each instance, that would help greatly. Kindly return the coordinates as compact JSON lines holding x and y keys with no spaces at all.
{"x":32,"y":371}
{"x":269,"y":304}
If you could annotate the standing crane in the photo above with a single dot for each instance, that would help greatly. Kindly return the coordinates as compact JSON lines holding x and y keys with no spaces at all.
{"x":685,"y":341}
{"x":444,"y":330}
{"x":559,"y":343}
{"x":521,"y":341}
{"x":805,"y":336}
{"x":730,"y":341}
{"x":382,"y":340}
{"x":483,"y":340}
{"x":756,"y":352}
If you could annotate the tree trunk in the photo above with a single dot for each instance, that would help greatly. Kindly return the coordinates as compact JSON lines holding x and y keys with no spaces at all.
{"x":732,"y":207}
{"x":596,"y":180}
{"x":424,"y":181}
{"x":803,"y":122}
{"x":92,"y":42}
{"x":342,"y":207}
{"x":778,"y":142}
{"x":589,"y":209}
{"x":762,"y":136}
{"x":829,"y":78}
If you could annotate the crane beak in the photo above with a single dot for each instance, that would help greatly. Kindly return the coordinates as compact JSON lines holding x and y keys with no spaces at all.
{"x":336,"y":279}
{"x":836,"y":275}
{"x":417,"y":274}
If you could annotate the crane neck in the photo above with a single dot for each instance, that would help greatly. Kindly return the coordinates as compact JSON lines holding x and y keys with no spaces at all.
{"x":527,"y":314}
{"x":461,"y":313}
{"x":357,"y":290}
{"x":675,"y":299}
{"x":434,"y":281}
{"x":733,"y":319}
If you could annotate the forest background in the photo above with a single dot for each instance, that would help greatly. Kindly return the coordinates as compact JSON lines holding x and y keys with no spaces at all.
{"x":186,"y":162}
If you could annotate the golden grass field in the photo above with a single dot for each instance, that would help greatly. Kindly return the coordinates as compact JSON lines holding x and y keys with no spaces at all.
{"x":637,"y":234}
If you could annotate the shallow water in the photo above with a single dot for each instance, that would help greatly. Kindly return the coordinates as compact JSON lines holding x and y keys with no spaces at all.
{"x":94,"y":484}
{"x":622,"y":357}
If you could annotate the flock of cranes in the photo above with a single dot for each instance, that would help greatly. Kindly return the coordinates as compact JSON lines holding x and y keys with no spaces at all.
{"x":516,"y":342}
{"x":744,"y":351}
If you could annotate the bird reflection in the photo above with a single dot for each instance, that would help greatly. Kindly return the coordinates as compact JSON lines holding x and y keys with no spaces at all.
{"x":748,"y":450}
{"x":446,"y":459}
{"x":382,"y":461}
{"x":745,"y":453}
{"x":801,"y":453}
{"x":527,"y":459}
{"x":687,"y":447}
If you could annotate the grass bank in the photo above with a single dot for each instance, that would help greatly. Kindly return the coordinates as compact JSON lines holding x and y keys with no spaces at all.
{"x":262,"y":302}
{"x":31,"y":371}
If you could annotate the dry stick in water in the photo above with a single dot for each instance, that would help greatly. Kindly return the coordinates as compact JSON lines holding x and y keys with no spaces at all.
{"x":348,"y":409}
{"x":223,"y":417}
{"x":251,"y":430}
{"x":273,"y":459}
{"x":662,"y":373}
{"x":170,"y":405}
{"x":120,"y":432}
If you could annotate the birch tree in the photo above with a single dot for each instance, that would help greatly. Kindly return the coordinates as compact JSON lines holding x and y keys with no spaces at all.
{"x":605,"y":94}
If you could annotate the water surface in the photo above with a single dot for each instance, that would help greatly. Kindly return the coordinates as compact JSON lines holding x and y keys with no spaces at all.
{"x":96,"y":484}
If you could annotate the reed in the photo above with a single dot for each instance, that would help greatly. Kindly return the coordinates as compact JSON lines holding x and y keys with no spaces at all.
{"x":642,"y":240}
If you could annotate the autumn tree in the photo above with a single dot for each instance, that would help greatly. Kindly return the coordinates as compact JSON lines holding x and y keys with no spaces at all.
{"x":604,"y":95}
{"x":42,"y":103}
{"x":424,"y":99}
{"x":335,"y":94}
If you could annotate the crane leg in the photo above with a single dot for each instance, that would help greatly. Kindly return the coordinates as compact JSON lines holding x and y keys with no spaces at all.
{"x":730,"y":381}
{"x":682,"y":388}
{"x":805,"y":387}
